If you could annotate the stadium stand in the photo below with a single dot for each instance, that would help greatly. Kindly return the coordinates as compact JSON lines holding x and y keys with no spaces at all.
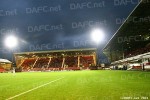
{"x":5,"y":65}
{"x":2,"y":69}
{"x":28,"y":64}
{"x":131,"y":42}
{"x":57,"y":60}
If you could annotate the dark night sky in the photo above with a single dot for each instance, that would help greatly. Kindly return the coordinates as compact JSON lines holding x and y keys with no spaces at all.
{"x":23,"y":19}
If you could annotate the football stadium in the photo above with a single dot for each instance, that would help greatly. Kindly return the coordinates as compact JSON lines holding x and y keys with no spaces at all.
{"x":43,"y":58}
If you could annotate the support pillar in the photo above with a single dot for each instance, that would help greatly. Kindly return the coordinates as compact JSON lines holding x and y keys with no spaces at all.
{"x":78,"y":61}
{"x":35,"y":62}
{"x":94,"y":58}
{"x":63,"y":62}
{"x":21,"y":62}
{"x":49,"y":62}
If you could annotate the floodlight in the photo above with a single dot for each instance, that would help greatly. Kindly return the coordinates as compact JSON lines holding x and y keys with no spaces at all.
{"x":97,"y":35}
{"x":11,"y":41}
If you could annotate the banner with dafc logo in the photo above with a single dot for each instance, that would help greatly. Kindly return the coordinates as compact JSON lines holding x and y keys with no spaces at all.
{"x":60,"y":24}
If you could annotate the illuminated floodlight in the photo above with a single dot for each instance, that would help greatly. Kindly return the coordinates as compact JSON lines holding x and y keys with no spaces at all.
{"x":11,"y":41}
{"x":97,"y":35}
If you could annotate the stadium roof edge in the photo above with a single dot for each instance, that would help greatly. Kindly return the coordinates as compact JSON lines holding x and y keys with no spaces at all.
{"x":145,"y":55}
{"x":122,"y":25}
{"x":50,"y":51}
{"x":4,"y":61}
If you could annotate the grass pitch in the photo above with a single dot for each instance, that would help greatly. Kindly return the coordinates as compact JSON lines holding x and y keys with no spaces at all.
{"x":76,"y":85}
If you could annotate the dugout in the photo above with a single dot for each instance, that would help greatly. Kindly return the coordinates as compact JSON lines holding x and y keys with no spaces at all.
{"x":72,"y":59}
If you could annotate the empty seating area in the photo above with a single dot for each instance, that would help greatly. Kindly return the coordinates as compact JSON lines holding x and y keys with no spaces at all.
{"x":2,"y":69}
{"x":57,"y":63}
{"x":72,"y":59}
{"x":41,"y":63}
{"x":138,"y":51}
{"x":28,"y":64}
{"x":86,"y":61}
{"x":71,"y":63}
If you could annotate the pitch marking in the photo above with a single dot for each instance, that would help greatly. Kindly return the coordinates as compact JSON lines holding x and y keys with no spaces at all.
{"x":34,"y":89}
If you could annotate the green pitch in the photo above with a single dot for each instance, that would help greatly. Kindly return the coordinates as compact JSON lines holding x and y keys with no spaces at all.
{"x":75,"y":85}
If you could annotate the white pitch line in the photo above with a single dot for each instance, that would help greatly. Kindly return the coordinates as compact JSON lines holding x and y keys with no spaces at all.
{"x":34,"y":89}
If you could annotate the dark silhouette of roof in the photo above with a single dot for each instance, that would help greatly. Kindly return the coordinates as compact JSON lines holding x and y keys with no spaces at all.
{"x":134,"y":34}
